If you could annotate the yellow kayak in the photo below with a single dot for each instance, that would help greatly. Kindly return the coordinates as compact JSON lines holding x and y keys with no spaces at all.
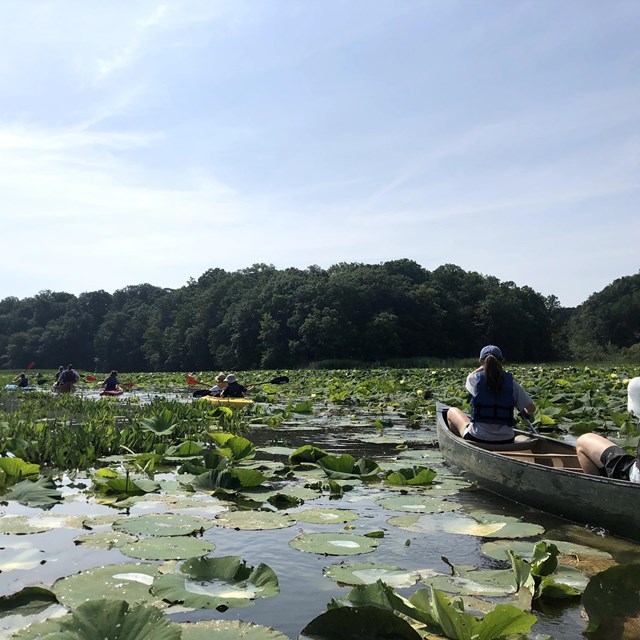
{"x":228,"y":402}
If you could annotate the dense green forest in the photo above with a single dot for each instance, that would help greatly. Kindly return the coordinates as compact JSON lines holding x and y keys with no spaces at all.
{"x":394,"y":312}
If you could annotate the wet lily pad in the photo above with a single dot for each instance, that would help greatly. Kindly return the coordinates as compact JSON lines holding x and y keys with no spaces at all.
{"x":345,"y":623}
{"x":115,"y":620}
{"x":326,"y":516}
{"x":334,"y":544}
{"x":26,"y":607}
{"x":487,"y":525}
{"x":370,"y":572}
{"x":228,"y":630}
{"x":128,"y":581}
{"x":418,"y":504}
{"x":498,"y":549}
{"x":38,"y":523}
{"x":208,"y":583}
{"x":167,"y":548}
{"x":39,"y":493}
{"x":481,"y":582}
{"x":162,"y":524}
{"x":254,"y":520}
{"x":105,"y":539}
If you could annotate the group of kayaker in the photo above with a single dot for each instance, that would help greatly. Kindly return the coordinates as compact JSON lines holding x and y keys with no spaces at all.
{"x":494,"y":396}
{"x":227,"y":386}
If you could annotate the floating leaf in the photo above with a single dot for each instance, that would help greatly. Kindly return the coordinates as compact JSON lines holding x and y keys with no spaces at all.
{"x":162,"y":524}
{"x":345,"y":623}
{"x":254,"y":520}
{"x":16,"y":467}
{"x":418,"y":504}
{"x":334,"y":544}
{"x":105,"y":540}
{"x":208,"y":583}
{"x":370,"y":572}
{"x":326,"y":516}
{"x":39,"y":493}
{"x":169,"y":548}
{"x":228,"y":630}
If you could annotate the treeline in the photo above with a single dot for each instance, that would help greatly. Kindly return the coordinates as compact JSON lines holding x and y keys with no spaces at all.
{"x":262,"y":317}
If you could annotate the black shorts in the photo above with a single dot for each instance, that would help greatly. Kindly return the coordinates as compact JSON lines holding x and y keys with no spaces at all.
{"x":617,"y":463}
{"x":472,"y":438}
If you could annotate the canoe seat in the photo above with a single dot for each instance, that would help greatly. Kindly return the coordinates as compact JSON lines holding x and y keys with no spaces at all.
{"x":521,"y":443}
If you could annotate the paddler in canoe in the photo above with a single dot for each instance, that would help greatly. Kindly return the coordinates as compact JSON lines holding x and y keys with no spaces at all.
{"x":111,"y":383}
{"x":234,"y":389}
{"x":21,"y":381}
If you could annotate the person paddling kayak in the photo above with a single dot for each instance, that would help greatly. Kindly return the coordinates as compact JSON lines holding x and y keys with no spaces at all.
{"x":234,"y":389}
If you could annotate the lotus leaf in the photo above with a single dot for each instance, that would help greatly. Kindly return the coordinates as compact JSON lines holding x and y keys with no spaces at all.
{"x":208,"y":583}
{"x":411,"y":476}
{"x":334,"y":544}
{"x":115,"y":620}
{"x":345,"y":623}
{"x":169,"y":548}
{"x":254,"y":520}
{"x":418,"y":504}
{"x":187,"y":448}
{"x":162,"y":524}
{"x":228,"y":630}
{"x":28,"y":606}
{"x":129,"y":581}
{"x":16,"y":467}
{"x":37,"y":524}
{"x":345,"y":467}
{"x":498,"y":549}
{"x":485,"y":582}
{"x":236,"y":448}
{"x":370,"y":572}
{"x":105,"y":540}
{"x":307,"y":453}
{"x":39,"y":493}
{"x":326,"y":516}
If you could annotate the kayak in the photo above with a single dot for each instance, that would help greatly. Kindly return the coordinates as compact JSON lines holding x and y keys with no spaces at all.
{"x":66,"y":387}
{"x":544,"y":473}
{"x":15,"y":387}
{"x":236,"y":403}
{"x":115,"y":392}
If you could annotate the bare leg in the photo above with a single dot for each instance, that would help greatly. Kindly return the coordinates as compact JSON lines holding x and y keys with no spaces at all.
{"x":457,"y":421}
{"x":589,"y":448}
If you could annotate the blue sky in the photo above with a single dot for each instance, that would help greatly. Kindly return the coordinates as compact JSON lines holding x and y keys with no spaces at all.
{"x":150,"y":141}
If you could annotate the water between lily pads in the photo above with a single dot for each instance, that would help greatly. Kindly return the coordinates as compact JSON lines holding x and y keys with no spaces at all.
{"x":304,"y":590}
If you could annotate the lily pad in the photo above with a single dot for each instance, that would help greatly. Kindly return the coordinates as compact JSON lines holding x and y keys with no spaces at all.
{"x":334,"y":544}
{"x":369,"y":572}
{"x":208,"y":583}
{"x":498,"y":549}
{"x":254,"y":520}
{"x":228,"y":630}
{"x":418,"y":504}
{"x":162,"y":524}
{"x":168,"y":548}
{"x":129,"y":581}
{"x":345,"y":623}
{"x":486,"y":525}
{"x":26,"y":607}
{"x":39,"y":493}
{"x":115,"y":620}
{"x":105,"y":539}
{"x":326,"y":516}
{"x":37,"y":523}
{"x":480,"y":582}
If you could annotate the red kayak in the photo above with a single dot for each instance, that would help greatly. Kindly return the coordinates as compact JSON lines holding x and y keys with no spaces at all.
{"x":116,"y":392}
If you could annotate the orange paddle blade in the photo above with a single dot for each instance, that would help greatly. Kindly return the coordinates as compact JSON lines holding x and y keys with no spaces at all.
{"x":191,"y":380}
{"x":90,"y":378}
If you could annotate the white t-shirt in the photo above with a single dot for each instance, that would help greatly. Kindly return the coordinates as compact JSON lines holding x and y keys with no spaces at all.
{"x":488,"y":430}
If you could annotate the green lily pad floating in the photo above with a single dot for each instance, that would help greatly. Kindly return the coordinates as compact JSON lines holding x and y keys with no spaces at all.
{"x":480,"y":582}
{"x":267,"y":495}
{"x":228,"y":630}
{"x":345,"y":623}
{"x":505,"y":527}
{"x":28,"y":606}
{"x":115,"y":620}
{"x":326,"y":516}
{"x":334,"y":544}
{"x":209,"y":583}
{"x":370,"y":572}
{"x":39,"y":493}
{"x":21,"y":556}
{"x":417,"y":504}
{"x":129,"y":581}
{"x":498,"y":549}
{"x":254,"y":520}
{"x":37,"y":524}
{"x":277,"y":451}
{"x":162,"y":524}
{"x":105,"y":540}
{"x":169,"y":548}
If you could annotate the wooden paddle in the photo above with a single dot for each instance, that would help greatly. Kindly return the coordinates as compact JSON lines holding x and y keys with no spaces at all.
{"x":278,"y":380}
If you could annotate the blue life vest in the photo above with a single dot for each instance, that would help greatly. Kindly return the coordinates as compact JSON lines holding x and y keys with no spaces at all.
{"x":68,"y":377}
{"x":491,"y":407}
{"x":111,"y":383}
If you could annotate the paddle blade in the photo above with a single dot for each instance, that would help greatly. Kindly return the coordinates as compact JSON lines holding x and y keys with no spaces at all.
{"x":279,"y":380}
{"x":90,"y":378}
{"x":129,"y":385}
{"x":191,"y":380}
{"x":31,"y":364}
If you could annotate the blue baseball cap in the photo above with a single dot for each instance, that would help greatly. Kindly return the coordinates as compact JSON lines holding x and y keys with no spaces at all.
{"x":490,"y":350}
